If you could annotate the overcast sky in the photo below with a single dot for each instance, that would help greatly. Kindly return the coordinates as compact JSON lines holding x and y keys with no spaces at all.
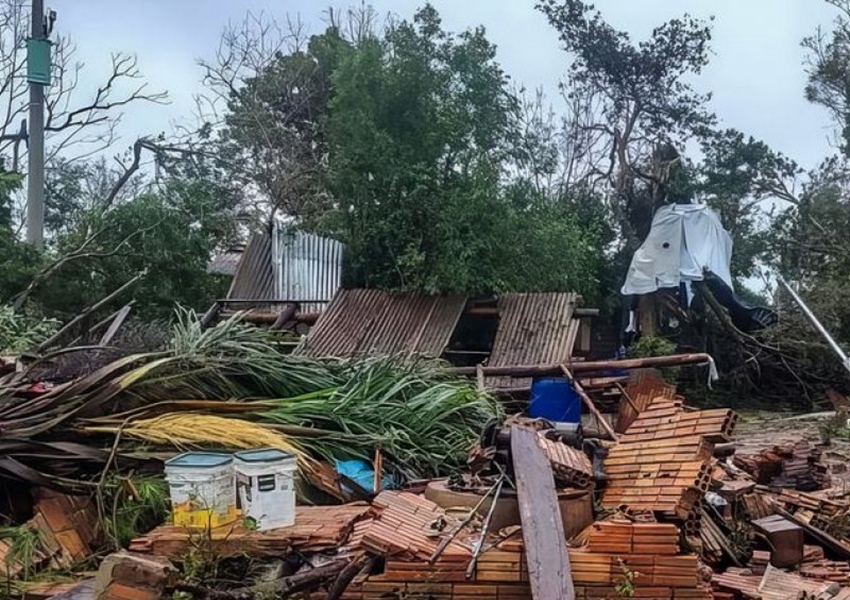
{"x":756,"y":74}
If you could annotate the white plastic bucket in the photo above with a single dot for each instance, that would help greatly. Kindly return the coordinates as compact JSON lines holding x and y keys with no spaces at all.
{"x":265,"y":480}
{"x":201,"y":489}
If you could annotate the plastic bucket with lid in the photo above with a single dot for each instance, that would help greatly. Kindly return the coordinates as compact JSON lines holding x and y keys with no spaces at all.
{"x":265,"y":481}
{"x":201,"y":489}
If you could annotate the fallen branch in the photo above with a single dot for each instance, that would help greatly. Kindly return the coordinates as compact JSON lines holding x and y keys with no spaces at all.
{"x":347,"y":575}
{"x":87,"y":311}
{"x":284,"y":587}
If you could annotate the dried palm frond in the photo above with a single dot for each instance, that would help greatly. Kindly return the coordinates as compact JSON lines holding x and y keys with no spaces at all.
{"x":186,"y":431}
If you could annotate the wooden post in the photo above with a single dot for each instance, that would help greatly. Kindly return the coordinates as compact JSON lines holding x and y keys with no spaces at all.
{"x":542,"y":529}
{"x":479,"y":377}
{"x":628,"y":398}
{"x":589,"y":403}
{"x":379,"y":471}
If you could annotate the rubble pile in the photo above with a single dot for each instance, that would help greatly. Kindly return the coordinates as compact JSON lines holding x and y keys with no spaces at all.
{"x":672,"y":509}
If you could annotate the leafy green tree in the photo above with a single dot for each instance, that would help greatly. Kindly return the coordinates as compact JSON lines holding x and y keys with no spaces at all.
{"x":736,"y":176}
{"x":20,"y":262}
{"x":418,"y":132}
{"x":645,"y":103}
{"x":829,"y":72}
{"x":168,"y":234}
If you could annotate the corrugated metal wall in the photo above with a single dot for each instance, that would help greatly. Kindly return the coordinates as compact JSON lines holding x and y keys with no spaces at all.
{"x":307,"y":267}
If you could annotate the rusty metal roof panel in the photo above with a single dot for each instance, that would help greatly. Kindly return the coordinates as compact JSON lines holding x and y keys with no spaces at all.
{"x":254,"y":277}
{"x":534,"y":329}
{"x":364,"y":322}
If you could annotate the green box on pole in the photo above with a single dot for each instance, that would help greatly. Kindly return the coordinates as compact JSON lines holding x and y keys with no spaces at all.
{"x":38,"y":61}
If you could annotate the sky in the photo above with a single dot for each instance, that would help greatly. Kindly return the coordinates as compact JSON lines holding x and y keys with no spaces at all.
{"x":756,"y":74}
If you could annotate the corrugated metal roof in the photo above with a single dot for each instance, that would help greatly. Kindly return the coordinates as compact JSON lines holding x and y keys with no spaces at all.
{"x":254,"y":278}
{"x":534,"y":329}
{"x":308,"y":267}
{"x":289,"y":266}
{"x":360,"y":322}
{"x":225,"y":263}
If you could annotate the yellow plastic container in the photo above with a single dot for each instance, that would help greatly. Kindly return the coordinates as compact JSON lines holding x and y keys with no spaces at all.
{"x":201,"y":485}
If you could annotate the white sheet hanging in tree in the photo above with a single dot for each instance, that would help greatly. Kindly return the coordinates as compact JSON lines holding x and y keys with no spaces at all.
{"x":684,"y":239}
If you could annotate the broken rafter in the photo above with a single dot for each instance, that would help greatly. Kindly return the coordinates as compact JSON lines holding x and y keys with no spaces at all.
{"x":675,"y":360}
{"x":589,"y":403}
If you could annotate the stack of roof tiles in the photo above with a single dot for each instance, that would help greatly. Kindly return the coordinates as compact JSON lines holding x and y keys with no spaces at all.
{"x":662,"y":463}
{"x":316,"y":529}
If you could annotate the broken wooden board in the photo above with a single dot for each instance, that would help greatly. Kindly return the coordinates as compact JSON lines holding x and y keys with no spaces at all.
{"x":542,"y":531}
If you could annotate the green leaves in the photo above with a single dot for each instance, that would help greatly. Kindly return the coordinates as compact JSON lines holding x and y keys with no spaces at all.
{"x":423,"y":420}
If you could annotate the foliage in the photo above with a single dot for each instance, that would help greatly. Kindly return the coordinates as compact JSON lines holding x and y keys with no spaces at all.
{"x":625,"y":588}
{"x":136,"y":505}
{"x":24,"y":545}
{"x":230,"y":386}
{"x":417,"y":131}
{"x":170,"y":234}
{"x":20,"y":332}
{"x":423,"y":420}
{"x":650,"y":345}
{"x":273,"y":132}
{"x":558,"y":245}
{"x":735,"y":177}
{"x":828,"y":72}
{"x":644,"y":102}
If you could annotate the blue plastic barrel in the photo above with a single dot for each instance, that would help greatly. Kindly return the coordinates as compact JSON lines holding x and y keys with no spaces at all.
{"x":554,"y":399}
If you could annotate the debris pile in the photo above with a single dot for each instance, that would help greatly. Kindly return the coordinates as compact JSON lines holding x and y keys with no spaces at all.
{"x":673,"y":508}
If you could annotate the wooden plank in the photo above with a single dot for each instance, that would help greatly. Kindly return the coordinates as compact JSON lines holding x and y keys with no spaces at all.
{"x":542,"y":529}
{"x":589,"y":403}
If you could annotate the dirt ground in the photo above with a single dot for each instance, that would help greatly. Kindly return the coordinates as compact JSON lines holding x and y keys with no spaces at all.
{"x":758,"y":431}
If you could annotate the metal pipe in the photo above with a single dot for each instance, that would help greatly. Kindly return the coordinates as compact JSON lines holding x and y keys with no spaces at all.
{"x":817,"y":324}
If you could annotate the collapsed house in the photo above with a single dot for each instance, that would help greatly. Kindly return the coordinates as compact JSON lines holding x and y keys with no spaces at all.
{"x":630,"y":493}
{"x":674,"y":509}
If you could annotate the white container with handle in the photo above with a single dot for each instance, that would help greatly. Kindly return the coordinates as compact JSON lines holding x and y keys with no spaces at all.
{"x":265,"y":483}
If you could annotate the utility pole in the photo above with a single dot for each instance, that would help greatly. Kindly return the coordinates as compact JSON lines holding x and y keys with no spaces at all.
{"x":35,"y":172}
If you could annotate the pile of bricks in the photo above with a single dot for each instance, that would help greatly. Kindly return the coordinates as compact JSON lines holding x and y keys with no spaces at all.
{"x":570,"y":466}
{"x":643,"y":388}
{"x":662,"y":463}
{"x":403,"y":533}
{"x":409,"y":527}
{"x":796,"y":465}
{"x":625,"y":537}
{"x":316,"y":529}
{"x":67,"y":529}
{"x":125,"y":576}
